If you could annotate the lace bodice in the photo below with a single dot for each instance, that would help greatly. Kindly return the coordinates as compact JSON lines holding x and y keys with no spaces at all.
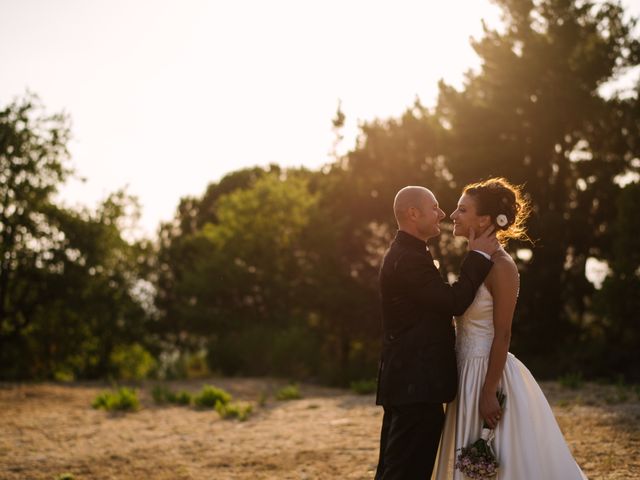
{"x":474,"y":328}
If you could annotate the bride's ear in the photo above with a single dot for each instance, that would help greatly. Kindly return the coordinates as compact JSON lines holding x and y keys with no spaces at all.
{"x":484,"y":221}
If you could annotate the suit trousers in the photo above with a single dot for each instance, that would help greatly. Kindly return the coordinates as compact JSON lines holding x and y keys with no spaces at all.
{"x":409,"y":441}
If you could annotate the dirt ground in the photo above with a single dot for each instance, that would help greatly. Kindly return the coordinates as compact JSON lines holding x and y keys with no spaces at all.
{"x":50,"y":429}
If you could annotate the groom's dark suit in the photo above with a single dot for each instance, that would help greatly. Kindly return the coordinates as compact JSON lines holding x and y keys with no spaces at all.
{"x":418,"y":370}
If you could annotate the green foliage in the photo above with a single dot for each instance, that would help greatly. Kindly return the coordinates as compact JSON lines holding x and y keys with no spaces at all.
{"x":183,"y":398}
{"x":123,"y":399}
{"x":162,"y":394}
{"x":290,"y":392}
{"x":618,"y":302}
{"x":241,"y":411}
{"x":210,"y":395}
{"x":364,"y":387}
{"x":574,"y":381}
{"x":132,"y":362}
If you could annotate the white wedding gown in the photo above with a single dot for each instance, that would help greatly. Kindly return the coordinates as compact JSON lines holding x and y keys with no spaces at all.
{"x":528,"y":442}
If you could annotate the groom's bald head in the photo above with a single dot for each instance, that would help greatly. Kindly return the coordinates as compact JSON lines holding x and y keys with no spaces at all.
{"x":410,"y":197}
{"x":417,"y":212}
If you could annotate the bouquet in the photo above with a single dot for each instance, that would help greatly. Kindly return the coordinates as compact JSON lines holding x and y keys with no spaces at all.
{"x":478,"y":460}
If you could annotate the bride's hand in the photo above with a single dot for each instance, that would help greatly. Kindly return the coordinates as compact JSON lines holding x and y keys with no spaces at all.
{"x":490,"y":408}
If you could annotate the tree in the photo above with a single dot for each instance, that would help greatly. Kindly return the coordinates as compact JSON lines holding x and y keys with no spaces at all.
{"x":33,"y":163}
{"x":534,"y":114}
{"x":616,"y":327}
{"x":69,"y":282}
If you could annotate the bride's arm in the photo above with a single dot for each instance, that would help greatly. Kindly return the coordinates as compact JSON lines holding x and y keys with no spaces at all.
{"x":503,"y":284}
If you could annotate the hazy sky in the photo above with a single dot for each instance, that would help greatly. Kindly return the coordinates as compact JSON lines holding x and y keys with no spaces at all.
{"x":166,"y":96}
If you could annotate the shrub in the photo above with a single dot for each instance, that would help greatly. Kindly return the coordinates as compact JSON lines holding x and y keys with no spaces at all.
{"x":161,"y":394}
{"x":132,"y":362}
{"x":210,"y":395}
{"x":573,"y":381}
{"x":363,"y":387}
{"x":182,"y":398}
{"x":123,"y":399}
{"x":241,"y":411}
{"x":291,"y":392}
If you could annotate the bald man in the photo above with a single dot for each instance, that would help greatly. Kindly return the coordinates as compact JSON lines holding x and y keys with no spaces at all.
{"x":418,"y":372}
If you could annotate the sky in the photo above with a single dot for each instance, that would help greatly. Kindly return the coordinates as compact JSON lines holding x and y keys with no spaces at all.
{"x":167,"y":96}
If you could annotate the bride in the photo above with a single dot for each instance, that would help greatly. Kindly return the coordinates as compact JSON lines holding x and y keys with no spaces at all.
{"x":528,"y":442}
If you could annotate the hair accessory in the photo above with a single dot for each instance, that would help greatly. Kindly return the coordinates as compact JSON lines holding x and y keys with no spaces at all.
{"x":501,"y":220}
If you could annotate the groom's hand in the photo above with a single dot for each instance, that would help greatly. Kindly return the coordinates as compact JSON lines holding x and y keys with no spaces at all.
{"x":487,"y":242}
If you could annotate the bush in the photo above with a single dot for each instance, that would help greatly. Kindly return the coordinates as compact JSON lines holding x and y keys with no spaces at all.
{"x":241,"y":411}
{"x":123,"y":399}
{"x":210,"y":395}
{"x":293,"y":352}
{"x":132,"y":362}
{"x":182,"y":398}
{"x":363,"y":387}
{"x":162,"y":394}
{"x":291,"y":392}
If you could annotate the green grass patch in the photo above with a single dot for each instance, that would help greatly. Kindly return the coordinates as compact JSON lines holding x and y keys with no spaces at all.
{"x":209,"y":396}
{"x":123,"y":399}
{"x":290,"y":392}
{"x":241,"y":411}
{"x":65,"y":476}
{"x":363,"y":387}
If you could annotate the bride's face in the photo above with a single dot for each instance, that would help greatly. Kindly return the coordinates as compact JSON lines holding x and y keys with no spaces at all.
{"x":465,"y":218}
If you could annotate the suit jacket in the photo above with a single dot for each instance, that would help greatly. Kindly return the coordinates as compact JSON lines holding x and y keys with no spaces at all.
{"x":418,"y":361}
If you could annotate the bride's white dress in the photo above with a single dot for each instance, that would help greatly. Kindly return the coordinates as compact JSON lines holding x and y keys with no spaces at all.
{"x":528,"y":442}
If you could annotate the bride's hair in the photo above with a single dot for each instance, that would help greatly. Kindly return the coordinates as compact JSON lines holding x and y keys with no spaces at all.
{"x":495,"y":197}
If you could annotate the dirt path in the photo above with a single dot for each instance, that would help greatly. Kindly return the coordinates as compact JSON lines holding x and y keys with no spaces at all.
{"x":49,"y":429}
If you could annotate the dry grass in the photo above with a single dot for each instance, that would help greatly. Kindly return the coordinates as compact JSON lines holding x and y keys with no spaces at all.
{"x":49,"y":429}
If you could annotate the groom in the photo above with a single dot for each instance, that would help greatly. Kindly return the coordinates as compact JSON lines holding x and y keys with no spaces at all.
{"x":418,"y":371}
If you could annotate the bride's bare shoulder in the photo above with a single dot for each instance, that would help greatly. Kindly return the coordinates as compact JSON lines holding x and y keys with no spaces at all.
{"x":504,"y":268}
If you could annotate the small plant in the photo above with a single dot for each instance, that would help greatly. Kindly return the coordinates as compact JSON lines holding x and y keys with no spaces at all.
{"x":182,"y":398}
{"x":262,"y":399}
{"x":241,"y":411}
{"x":123,"y":399}
{"x":161,"y":395}
{"x":574,"y":381}
{"x":363,"y":387}
{"x":210,"y":395}
{"x":290,"y":392}
{"x":66,"y":476}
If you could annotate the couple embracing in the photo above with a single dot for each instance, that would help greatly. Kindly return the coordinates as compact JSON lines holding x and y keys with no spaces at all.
{"x":426,"y":362}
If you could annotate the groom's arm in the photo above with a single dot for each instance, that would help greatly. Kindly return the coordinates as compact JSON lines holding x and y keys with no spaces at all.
{"x":426,"y":287}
